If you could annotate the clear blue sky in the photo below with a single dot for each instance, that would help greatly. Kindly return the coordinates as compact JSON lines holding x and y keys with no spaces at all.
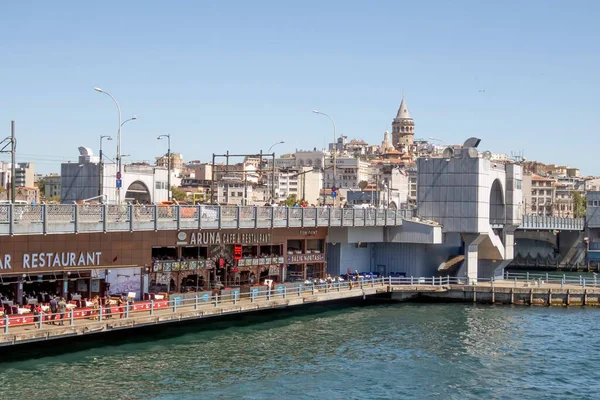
{"x":241,"y":75}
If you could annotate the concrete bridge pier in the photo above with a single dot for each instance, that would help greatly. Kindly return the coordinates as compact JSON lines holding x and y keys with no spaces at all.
{"x":472,"y":243}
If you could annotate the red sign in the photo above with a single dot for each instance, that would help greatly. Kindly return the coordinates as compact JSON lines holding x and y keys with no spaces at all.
{"x":237,"y":252}
{"x":221,"y":262}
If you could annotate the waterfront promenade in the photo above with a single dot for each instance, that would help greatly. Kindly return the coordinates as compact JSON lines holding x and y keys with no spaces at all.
{"x":77,"y":323}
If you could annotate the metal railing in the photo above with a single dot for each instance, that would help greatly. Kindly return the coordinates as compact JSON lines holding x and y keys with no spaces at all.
{"x":535,"y":222}
{"x":539,"y":279}
{"x":261,"y":295}
{"x":66,"y":218}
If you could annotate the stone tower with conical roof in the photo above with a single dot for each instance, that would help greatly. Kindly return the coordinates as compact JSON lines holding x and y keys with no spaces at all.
{"x":403,"y":128}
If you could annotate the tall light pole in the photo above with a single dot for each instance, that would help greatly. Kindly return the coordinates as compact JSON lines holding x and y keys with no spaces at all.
{"x":117,"y":184}
{"x":168,"y":136}
{"x":101,"y":164}
{"x":273,"y":175}
{"x":334,"y":150}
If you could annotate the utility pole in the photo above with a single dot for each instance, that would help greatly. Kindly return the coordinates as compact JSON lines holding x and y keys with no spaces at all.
{"x":12,"y":157}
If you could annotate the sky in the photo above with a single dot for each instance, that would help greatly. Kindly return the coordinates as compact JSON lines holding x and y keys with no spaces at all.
{"x":239,"y":76}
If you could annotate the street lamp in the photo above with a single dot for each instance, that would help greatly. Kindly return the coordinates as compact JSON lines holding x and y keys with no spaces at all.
{"x":275,"y":144}
{"x":118,"y":143}
{"x":133,"y":118}
{"x":273,"y":174}
{"x":168,"y":136}
{"x":334,"y":147}
{"x":101,"y":164}
{"x":437,"y":140}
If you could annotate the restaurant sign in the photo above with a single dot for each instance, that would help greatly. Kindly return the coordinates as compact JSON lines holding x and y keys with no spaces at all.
{"x":212,"y":238}
{"x":306,"y":258}
{"x":54,"y":260}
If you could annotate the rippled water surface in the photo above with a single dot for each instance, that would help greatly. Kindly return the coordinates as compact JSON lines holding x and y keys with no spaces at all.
{"x":376,"y":352}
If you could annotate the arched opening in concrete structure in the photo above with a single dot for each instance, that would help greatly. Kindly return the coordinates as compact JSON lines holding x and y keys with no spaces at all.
{"x":497,"y":206}
{"x":138,"y":191}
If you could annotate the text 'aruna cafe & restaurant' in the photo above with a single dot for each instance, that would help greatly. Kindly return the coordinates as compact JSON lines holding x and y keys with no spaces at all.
{"x":163,"y":261}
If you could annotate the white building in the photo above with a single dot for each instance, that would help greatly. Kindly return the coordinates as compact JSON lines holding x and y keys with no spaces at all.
{"x":349,"y":172}
{"x":304,"y":182}
{"x":81,"y":181}
{"x":312,"y":158}
{"x":24,"y":174}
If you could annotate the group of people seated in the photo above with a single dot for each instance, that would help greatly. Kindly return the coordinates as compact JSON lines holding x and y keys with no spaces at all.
{"x":56,"y":308}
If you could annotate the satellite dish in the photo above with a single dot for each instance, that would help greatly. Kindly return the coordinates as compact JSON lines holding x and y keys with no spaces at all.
{"x":487,"y":155}
{"x":85,"y":151}
{"x":448,"y":152}
{"x":472,"y":152}
{"x":472,"y":142}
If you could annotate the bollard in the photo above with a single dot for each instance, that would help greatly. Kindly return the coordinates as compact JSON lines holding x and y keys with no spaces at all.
{"x":390,"y":280}
{"x":126,"y":310}
{"x":372,"y":282}
{"x":339,"y":284}
{"x":100,"y":313}
{"x":539,"y":282}
{"x":235,"y":298}
{"x":299,"y":290}
{"x":580,"y":280}
{"x":252,"y":296}
{"x":269,"y":292}
{"x":411,"y":280}
{"x":174,"y":306}
{"x":216,"y":299}
{"x":527,"y":275}
{"x":196,"y":298}
{"x":584,"y":282}
{"x":41,"y":321}
{"x":515,"y":282}
{"x":546,"y":277}
{"x":151,"y":307}
{"x":71,"y":314}
{"x":447,"y":279}
{"x":313,"y":288}
{"x":562,"y":284}
{"x":433,"y":280}
{"x":284,"y":292}
{"x":5,"y":323}
{"x":361,"y":283}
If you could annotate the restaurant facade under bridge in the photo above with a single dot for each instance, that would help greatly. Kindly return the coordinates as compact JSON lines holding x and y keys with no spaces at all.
{"x":89,"y":264}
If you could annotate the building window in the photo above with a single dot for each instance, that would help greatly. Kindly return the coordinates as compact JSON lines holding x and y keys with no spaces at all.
{"x":518,"y":183}
{"x":240,"y":194}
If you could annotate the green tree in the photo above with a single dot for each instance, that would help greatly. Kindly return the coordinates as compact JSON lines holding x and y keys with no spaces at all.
{"x":579,"y":206}
{"x":54,"y":199}
{"x":291,"y":200}
{"x":178,"y":194}
{"x":41,"y":186}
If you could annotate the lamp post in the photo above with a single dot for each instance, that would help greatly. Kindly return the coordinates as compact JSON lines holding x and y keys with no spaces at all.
{"x":334,"y":150}
{"x":273,"y":175}
{"x":168,"y":136}
{"x":118,"y":142}
{"x":101,"y":164}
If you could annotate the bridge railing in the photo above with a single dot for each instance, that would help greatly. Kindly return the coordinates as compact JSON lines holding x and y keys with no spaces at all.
{"x":539,"y":279}
{"x":541,"y":222}
{"x":256,"y":294}
{"x":67,"y":218}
